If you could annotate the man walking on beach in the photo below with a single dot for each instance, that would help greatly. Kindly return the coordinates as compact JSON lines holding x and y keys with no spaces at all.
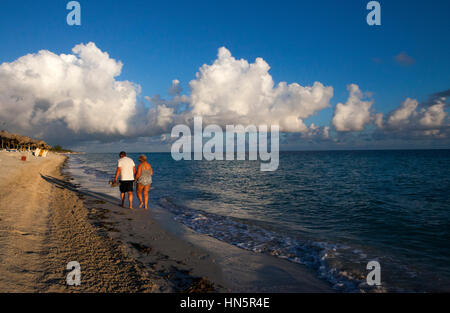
{"x":126,"y":168}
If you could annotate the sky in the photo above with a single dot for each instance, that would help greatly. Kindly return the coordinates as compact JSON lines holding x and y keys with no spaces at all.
{"x":134,"y":69}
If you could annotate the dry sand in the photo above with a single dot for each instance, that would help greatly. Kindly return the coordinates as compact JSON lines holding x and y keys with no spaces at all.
{"x":46,"y":222}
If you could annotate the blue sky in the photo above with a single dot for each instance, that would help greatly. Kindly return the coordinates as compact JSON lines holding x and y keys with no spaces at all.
{"x":302,"y":41}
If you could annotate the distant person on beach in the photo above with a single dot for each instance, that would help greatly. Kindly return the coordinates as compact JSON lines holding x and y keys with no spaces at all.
{"x":126,"y":169}
{"x":144,"y":180}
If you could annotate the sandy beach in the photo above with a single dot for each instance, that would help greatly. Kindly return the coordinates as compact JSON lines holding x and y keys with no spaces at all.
{"x":46,"y":221}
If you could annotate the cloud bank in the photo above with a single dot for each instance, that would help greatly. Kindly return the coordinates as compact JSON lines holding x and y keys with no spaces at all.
{"x":411,"y":119}
{"x":77,"y":97}
{"x":78,"y":93}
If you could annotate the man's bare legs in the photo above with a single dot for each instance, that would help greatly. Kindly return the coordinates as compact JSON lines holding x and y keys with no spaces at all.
{"x":130,"y":199}
{"x":146,"y":190}
{"x":139,"y":194}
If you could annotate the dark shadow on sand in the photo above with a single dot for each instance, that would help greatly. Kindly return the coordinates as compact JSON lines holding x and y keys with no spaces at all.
{"x":59,"y":183}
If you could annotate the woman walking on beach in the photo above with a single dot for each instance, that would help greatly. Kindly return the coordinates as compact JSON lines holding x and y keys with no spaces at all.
{"x":144,"y":180}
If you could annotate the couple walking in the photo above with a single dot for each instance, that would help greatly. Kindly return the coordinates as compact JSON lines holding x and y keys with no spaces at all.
{"x":129,"y":175}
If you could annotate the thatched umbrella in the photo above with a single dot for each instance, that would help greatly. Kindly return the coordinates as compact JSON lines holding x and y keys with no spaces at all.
{"x":16,"y":140}
{"x":22,"y":140}
{"x":5,"y":137}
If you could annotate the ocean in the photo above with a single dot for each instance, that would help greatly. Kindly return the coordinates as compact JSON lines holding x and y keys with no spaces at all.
{"x":332,"y":211}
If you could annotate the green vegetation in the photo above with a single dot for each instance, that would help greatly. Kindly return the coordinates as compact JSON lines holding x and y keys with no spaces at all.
{"x":59,"y":148}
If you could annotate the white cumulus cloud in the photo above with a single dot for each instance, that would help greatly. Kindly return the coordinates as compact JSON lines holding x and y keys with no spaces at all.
{"x":403,"y":114}
{"x":418,"y":120}
{"x":236,"y":91}
{"x":354,"y":114}
{"x":79,"y":90}
{"x":433,"y":116}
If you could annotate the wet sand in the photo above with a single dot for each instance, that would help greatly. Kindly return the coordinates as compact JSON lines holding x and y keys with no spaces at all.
{"x":47,"y":221}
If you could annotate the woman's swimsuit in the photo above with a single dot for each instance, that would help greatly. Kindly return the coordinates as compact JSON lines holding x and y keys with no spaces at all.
{"x":146,"y":177}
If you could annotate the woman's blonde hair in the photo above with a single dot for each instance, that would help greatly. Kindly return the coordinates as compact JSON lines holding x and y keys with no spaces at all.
{"x":142,"y":158}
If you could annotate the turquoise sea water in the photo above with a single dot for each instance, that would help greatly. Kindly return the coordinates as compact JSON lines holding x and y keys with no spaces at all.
{"x":332,"y":211}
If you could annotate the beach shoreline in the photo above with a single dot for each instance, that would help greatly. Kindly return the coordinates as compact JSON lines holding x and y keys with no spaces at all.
{"x":119,"y":250}
{"x":46,"y":224}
